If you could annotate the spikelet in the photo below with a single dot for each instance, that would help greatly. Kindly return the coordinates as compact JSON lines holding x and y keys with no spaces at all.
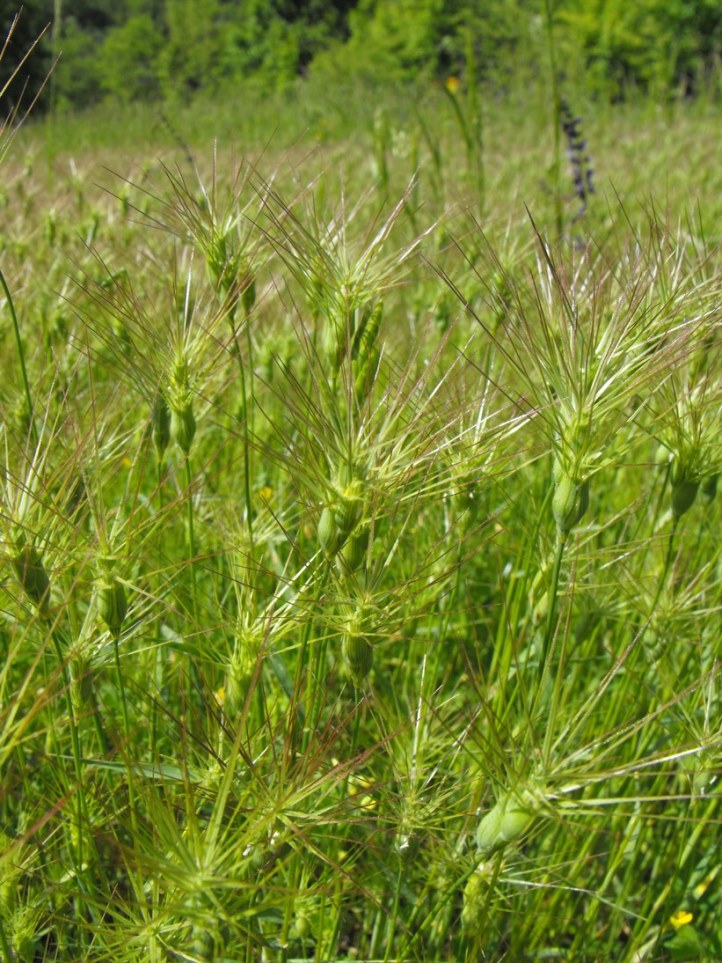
{"x":341,"y":516}
{"x":684,"y":491}
{"x":240,"y":670}
{"x":248,"y":293}
{"x":28,"y":566}
{"x":506,"y":822}
{"x":329,"y":537}
{"x":570,"y":502}
{"x":347,"y":508}
{"x":182,"y":419}
{"x":160,"y":419}
{"x":366,"y":334}
{"x":112,"y":603}
{"x":183,"y":427}
{"x":365,"y":352}
{"x":356,"y":648}
{"x":353,"y":552}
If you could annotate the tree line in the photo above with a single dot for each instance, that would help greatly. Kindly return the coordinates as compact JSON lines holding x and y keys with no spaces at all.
{"x":132,"y":50}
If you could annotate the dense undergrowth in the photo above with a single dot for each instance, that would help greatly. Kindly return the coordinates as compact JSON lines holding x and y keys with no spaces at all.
{"x":362,"y":581}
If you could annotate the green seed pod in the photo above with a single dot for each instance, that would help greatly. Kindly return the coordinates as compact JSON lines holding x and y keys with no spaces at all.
{"x":112,"y":604}
{"x":329,"y":537}
{"x":684,"y":493}
{"x":160,"y":418}
{"x":183,"y":427}
{"x":506,"y":822}
{"x":357,"y":651}
{"x":348,"y":508}
{"x":570,"y":502}
{"x":353,"y":552}
{"x":30,"y":571}
{"x":489,"y":829}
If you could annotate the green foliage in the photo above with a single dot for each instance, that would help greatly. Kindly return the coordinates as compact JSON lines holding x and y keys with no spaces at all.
{"x":78,"y":75}
{"x":362,"y":579}
{"x":128,"y":63}
{"x":423,"y":40}
{"x":191,"y":55}
{"x":654,"y":45}
{"x":181,"y":47}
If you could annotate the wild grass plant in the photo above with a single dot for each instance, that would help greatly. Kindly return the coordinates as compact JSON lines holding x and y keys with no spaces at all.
{"x":362,"y":586}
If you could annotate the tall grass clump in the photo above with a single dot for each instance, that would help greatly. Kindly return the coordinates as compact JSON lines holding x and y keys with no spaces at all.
{"x":362,"y":590}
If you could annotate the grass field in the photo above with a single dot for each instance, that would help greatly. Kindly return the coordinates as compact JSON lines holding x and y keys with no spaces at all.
{"x":362,"y":584}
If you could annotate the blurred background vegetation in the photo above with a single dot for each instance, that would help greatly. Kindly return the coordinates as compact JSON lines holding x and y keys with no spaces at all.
{"x":136,"y":50}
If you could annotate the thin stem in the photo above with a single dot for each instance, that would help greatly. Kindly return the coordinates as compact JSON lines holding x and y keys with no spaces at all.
{"x":21,"y":357}
{"x":157,"y":675}
{"x":393,"y":916}
{"x":126,"y":729}
{"x":81,"y":812}
{"x":301,"y":666}
{"x":246,"y":426}
{"x":667,"y":565}
{"x":551,"y":615}
{"x":191,"y":536}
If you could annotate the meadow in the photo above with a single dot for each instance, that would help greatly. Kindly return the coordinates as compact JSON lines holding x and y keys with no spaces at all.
{"x":362,"y":578}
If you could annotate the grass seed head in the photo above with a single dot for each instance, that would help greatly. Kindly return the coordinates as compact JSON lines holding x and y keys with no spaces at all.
{"x":240,"y":670}
{"x":30,"y":571}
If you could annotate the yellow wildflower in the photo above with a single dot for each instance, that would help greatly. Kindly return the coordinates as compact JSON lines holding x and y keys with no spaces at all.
{"x":681,"y":918}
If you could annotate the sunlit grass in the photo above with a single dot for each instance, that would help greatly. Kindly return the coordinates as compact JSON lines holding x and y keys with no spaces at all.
{"x":362,"y":585}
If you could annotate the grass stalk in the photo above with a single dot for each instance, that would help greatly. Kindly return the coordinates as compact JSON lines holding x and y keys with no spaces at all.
{"x":191,"y":537}
{"x":246,"y":414}
{"x":21,"y":358}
